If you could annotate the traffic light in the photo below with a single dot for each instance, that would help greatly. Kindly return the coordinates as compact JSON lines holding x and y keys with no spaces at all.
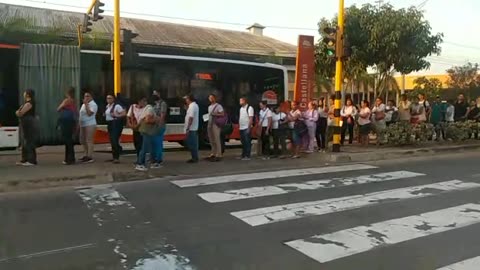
{"x":86,"y":26}
{"x":97,"y":10}
{"x":330,"y":40}
{"x":129,"y":49}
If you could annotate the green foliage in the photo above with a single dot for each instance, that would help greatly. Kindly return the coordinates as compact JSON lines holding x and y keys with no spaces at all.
{"x":385,"y":38}
{"x":461,"y":131}
{"x":404,"y":133}
{"x":464,"y":77}
{"x":428,"y":87}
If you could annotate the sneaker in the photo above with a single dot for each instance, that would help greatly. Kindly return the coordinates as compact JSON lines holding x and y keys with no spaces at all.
{"x":266,"y":158}
{"x":116,"y":161}
{"x":88,"y":160}
{"x":246,"y":159}
{"x":28,"y":164}
{"x":141,"y":168}
{"x":19,"y":163}
{"x":215,"y":159}
{"x":83,"y":159}
{"x":156,"y":166}
{"x":192,"y":161}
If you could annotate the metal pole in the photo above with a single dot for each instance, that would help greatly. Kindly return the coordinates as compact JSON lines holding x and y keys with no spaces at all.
{"x":89,"y":10}
{"x":338,"y":82}
{"x":117,"y":73}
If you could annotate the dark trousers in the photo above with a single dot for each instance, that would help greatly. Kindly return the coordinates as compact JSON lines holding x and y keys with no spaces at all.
{"x":246,"y":139}
{"x":68,"y":127}
{"x":265,"y":142}
{"x":137,"y":141}
{"x":321,"y":133}
{"x":192,"y":143}
{"x":29,"y":144}
{"x":115,"y":129}
{"x":347,"y":126}
{"x":279,"y":139}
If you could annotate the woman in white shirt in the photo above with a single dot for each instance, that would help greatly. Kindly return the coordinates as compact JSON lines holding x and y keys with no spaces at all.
{"x":279,"y":132}
{"x":134,"y":116}
{"x":364,"y":122}
{"x":322,"y":125}
{"x":379,"y":119}
{"x":348,"y":114}
{"x":88,"y":126}
{"x":115,"y":116}
{"x":310,"y":117}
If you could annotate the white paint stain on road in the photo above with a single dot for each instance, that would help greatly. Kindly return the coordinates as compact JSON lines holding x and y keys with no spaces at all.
{"x":47,"y":253}
{"x":267,"y":175}
{"x":470,"y":264}
{"x":141,"y":251}
{"x":267,"y":215}
{"x":255,"y":192}
{"x":328,"y":247}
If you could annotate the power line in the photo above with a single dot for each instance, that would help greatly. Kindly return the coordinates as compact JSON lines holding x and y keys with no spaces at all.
{"x":178,"y":18}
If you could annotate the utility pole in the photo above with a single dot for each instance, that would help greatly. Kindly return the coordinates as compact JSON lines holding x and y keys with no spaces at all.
{"x":338,"y":78}
{"x":117,"y":72}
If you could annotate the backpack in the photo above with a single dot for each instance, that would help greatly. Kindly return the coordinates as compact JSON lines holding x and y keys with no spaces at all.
{"x":122,"y":119}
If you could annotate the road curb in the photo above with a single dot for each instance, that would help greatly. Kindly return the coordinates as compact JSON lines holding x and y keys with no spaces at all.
{"x":118,"y":177}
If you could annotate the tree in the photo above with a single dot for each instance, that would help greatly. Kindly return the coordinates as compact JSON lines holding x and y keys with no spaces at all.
{"x":464,"y":77}
{"x":428,"y":87}
{"x":387,"y":39}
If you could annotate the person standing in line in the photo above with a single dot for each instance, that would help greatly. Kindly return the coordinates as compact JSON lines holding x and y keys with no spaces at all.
{"x":404,"y":109}
{"x":348,"y":113}
{"x":149,"y":129}
{"x":214,"y":131}
{"x":114,"y":115}
{"x":160,"y":107}
{"x":191,"y":127}
{"x":436,"y":116}
{"x":245,"y":123}
{"x":265,"y":117}
{"x":68,"y":123}
{"x":425,"y":116}
{"x":293,"y":116}
{"x":461,"y":108}
{"x":279,"y":130}
{"x":391,"y":113}
{"x":378,"y":112}
{"x":28,"y":124}
{"x":321,"y":131}
{"x":88,"y":126}
{"x":134,"y":116}
{"x":364,"y":123}
{"x":310,"y":118}
{"x":330,"y":120}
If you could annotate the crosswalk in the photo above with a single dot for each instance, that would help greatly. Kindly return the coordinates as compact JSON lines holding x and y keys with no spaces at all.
{"x":337,"y":245}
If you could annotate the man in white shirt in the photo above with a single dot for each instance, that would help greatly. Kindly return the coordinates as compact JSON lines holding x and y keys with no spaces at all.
{"x":265,"y":120}
{"x":191,"y":127}
{"x":114,"y":115}
{"x":245,"y":123}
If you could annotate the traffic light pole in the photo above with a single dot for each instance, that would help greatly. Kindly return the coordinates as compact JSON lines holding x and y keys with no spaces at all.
{"x":338,"y":79}
{"x":117,"y":72}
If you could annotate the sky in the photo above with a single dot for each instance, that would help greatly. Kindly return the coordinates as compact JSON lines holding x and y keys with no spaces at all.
{"x":285,"y":20}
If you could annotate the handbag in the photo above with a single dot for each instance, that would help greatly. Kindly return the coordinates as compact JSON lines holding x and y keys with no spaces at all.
{"x":379,"y":116}
{"x":220,"y":120}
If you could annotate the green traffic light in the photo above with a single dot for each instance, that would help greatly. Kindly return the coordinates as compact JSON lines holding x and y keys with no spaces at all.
{"x":330,"y":53}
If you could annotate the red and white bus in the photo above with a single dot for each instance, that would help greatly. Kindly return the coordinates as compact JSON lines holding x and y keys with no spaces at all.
{"x":174,"y":76}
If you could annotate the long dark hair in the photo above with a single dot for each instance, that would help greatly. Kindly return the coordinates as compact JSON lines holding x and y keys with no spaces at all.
{"x":31,"y":94}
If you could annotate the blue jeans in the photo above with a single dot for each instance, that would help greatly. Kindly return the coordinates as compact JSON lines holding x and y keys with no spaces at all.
{"x":192,"y":144}
{"x":147,"y":147}
{"x":246,"y":139}
{"x":158,"y":145}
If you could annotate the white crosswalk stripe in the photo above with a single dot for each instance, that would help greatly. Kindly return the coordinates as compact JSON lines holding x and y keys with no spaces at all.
{"x":328,"y":247}
{"x":470,"y":264}
{"x":267,"y":175}
{"x":278,"y":213}
{"x":254,"y":192}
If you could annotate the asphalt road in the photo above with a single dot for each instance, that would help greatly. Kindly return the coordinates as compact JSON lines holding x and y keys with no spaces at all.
{"x":416,"y":214}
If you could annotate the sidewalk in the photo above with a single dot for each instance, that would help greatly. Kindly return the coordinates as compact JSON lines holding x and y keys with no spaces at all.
{"x":51,"y":173}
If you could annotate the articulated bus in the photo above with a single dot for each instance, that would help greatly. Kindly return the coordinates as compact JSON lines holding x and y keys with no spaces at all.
{"x":174,"y":76}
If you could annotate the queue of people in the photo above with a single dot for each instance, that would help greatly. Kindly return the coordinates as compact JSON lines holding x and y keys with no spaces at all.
{"x":280,"y":132}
